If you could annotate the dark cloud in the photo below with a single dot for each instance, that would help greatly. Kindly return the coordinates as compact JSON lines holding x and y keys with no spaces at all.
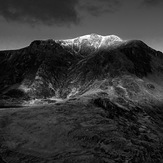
{"x":152,"y":2}
{"x":40,"y":11}
{"x":98,"y":7}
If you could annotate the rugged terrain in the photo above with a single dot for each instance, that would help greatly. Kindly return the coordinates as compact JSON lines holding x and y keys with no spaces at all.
{"x":95,"y":99}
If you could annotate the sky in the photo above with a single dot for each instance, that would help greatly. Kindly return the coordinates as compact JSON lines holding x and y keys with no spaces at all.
{"x":23,"y":21}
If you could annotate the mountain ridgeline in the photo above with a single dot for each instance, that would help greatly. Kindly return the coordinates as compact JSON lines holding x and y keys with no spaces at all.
{"x":90,"y":65}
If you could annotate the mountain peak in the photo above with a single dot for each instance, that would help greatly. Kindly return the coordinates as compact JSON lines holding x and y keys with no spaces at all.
{"x":91,"y":40}
{"x":94,"y":36}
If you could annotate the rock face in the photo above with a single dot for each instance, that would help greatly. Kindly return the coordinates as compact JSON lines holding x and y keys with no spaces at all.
{"x":92,"y":99}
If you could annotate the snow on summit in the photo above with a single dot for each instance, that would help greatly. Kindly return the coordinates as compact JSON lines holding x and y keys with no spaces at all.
{"x":91,"y":40}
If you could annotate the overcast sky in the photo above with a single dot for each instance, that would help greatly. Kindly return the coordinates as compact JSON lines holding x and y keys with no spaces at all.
{"x":22,"y":21}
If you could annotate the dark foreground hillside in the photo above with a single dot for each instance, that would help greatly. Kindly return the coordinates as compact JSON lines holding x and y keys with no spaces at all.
{"x":77,"y":131}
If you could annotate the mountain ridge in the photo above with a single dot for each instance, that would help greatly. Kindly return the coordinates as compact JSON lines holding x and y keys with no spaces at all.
{"x":48,"y":69}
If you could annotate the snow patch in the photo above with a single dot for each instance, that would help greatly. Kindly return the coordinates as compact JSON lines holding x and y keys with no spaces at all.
{"x":92,"y":40}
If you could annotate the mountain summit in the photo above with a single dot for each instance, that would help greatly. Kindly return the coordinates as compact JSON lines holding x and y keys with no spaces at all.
{"x":89,"y":43}
{"x":94,"y":40}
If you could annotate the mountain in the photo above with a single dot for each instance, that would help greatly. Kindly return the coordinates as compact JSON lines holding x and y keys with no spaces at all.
{"x":91,"y":99}
{"x":88,"y":64}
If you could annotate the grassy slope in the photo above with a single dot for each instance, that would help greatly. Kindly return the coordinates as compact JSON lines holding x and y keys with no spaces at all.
{"x":95,"y":131}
